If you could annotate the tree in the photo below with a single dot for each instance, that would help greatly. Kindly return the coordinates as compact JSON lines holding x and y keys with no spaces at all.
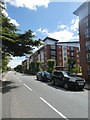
{"x":5,"y":60}
{"x":14,"y":43}
{"x":18,"y":68}
{"x":71,"y":63}
{"x":76,"y":69}
{"x":34,"y":67}
{"x":38,"y":68}
{"x":51,"y":64}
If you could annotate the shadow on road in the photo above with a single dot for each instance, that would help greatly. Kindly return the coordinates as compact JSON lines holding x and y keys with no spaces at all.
{"x":61,"y":88}
{"x":7,"y":86}
{"x":56,"y":86}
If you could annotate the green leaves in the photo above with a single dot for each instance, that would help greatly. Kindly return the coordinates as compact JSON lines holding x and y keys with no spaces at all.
{"x":15,"y":43}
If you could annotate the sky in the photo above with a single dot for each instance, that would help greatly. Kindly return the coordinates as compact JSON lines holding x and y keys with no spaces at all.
{"x":52,"y":18}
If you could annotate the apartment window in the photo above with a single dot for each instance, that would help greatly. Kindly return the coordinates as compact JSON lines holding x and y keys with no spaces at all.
{"x":72,"y":53}
{"x":87,"y":33}
{"x":53,"y":52}
{"x":89,"y":70}
{"x":86,"y":21}
{"x":65,"y":47}
{"x":88,"y":57}
{"x":65,"y":59}
{"x":52,"y":46}
{"x":65,"y":53}
{"x":88,"y":45}
{"x":72,"y":49}
{"x":77,"y":56}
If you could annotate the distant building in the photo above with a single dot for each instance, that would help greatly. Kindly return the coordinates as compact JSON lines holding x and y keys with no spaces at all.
{"x":58,"y":51}
{"x":84,"y":35}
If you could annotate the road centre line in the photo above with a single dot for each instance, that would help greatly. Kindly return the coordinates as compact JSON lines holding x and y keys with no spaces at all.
{"x":20,"y":80}
{"x":54,"y":108}
{"x":27,"y":87}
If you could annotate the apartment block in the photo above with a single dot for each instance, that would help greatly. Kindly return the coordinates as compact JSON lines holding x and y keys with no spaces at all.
{"x":84,"y":35}
{"x":58,"y":51}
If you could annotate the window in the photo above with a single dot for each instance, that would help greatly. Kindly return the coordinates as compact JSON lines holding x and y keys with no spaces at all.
{"x":65,"y":47}
{"x":72,"y":53}
{"x":88,"y":45}
{"x":72,"y":49}
{"x":53,"y":52}
{"x":65,"y":53}
{"x":65,"y":58}
{"x":86,"y":21}
{"x":77,"y":56}
{"x":88,"y":56}
{"x":89,"y":70}
{"x":52,"y":46}
{"x":87,"y":33}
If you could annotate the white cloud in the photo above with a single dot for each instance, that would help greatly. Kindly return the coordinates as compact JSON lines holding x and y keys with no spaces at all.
{"x":5,"y":13}
{"x":64,"y":32}
{"x":74,"y":24}
{"x":62,"y":35}
{"x":44,"y":31}
{"x":16,"y":61}
{"x":14,"y":22}
{"x":30,"y":4}
{"x":62,"y":26}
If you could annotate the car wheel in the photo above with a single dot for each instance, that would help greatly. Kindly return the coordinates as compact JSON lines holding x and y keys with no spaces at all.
{"x":52,"y":82}
{"x":66,"y":85}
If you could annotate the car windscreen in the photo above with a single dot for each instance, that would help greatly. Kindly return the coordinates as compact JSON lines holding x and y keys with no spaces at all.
{"x":66,"y":73}
{"x":47,"y":73}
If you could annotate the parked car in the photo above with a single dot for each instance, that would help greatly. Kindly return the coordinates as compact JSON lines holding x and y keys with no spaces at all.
{"x":67,"y":80}
{"x":43,"y":76}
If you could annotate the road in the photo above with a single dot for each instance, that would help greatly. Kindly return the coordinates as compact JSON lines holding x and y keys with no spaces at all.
{"x":25,"y":97}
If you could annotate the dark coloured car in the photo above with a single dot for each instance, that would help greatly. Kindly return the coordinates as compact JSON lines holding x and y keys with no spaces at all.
{"x":43,"y":76}
{"x":65,"y":79}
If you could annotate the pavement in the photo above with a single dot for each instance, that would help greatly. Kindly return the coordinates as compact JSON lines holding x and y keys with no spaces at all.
{"x":87,"y":86}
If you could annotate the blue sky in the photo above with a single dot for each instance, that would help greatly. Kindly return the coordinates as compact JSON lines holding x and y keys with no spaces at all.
{"x":45,"y":18}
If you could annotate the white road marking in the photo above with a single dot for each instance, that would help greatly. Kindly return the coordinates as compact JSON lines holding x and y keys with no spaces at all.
{"x":17,"y":77}
{"x":28,"y":87}
{"x":53,"y":108}
{"x":20,"y":80}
